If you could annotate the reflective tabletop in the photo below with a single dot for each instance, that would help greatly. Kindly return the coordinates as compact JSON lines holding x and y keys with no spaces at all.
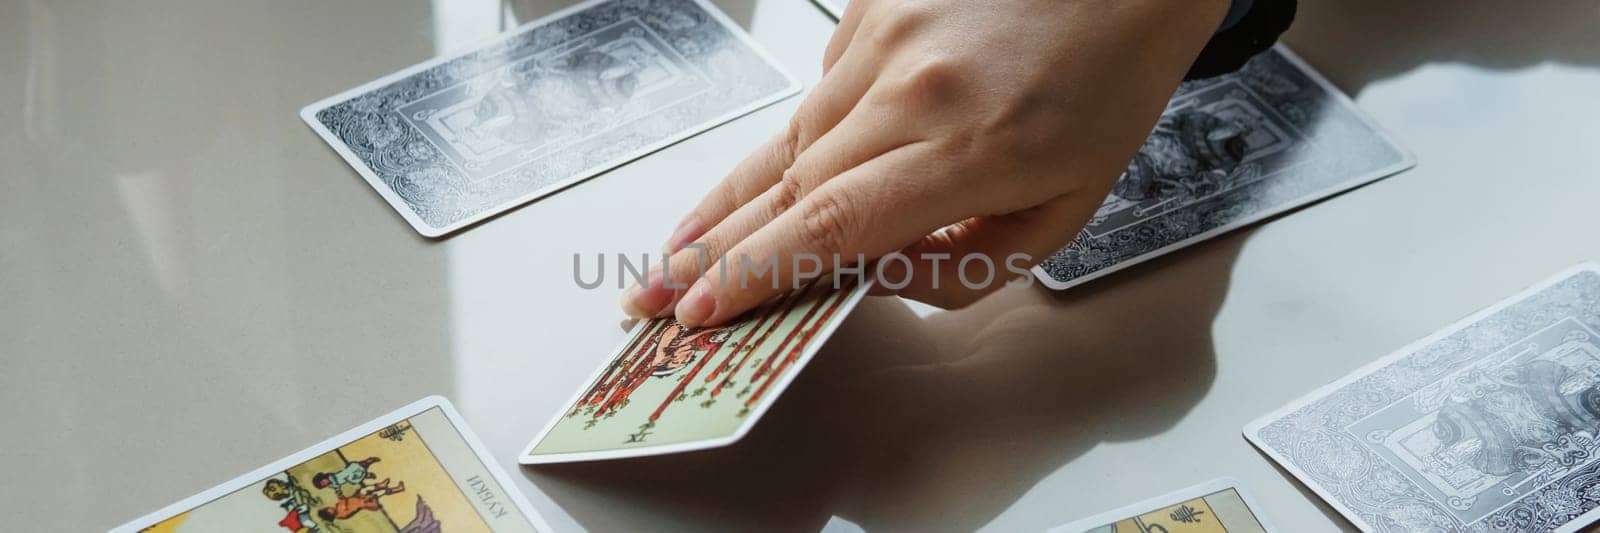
{"x":192,"y":284}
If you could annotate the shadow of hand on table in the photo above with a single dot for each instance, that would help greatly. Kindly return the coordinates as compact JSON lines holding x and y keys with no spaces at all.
{"x":939,"y":423}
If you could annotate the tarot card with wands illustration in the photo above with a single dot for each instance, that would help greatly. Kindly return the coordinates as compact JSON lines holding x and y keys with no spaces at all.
{"x":670,"y":389}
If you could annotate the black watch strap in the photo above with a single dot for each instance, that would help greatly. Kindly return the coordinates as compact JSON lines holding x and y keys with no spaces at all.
{"x":1252,"y":26}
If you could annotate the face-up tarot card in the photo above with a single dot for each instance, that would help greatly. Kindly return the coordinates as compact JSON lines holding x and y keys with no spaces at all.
{"x":671,"y":389}
{"x":1228,"y":152}
{"x":1217,"y":506}
{"x":1492,"y":424}
{"x":456,"y":140}
{"x":416,"y":470}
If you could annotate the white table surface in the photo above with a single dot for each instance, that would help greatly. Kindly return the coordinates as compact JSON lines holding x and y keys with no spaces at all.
{"x":192,"y":284}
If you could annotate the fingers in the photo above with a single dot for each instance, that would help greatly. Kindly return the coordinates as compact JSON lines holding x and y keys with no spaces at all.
{"x":830,"y":102}
{"x":877,"y":124}
{"x":844,"y":33}
{"x":962,"y":263}
{"x":843,"y":219}
{"x":753,"y":190}
{"x":862,"y":136}
{"x":757,"y":173}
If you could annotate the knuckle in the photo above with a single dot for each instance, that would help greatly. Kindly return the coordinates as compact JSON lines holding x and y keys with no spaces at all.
{"x":933,"y":82}
{"x":900,"y":21}
{"x":786,"y":193}
{"x":686,"y":265}
{"x":798,"y":134}
{"x":735,"y":192}
{"x":827,"y":223}
{"x":792,"y":183}
{"x":957,"y":143}
{"x":1013,"y":139}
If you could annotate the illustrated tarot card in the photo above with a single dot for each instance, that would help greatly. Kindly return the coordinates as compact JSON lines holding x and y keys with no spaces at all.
{"x":1229,"y":151}
{"x":456,"y":140}
{"x":671,"y":389}
{"x":1217,"y":506}
{"x":416,"y":470}
{"x":1488,"y":425}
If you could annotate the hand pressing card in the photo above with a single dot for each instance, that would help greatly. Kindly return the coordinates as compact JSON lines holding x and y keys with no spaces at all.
{"x":1492,"y":424}
{"x":1228,"y":152}
{"x":1218,"y":506}
{"x":416,"y":470}
{"x":456,"y":140}
{"x":671,"y":389}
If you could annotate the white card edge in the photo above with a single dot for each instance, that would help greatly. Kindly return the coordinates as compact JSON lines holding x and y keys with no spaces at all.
{"x":499,"y":473}
{"x":1303,"y":201}
{"x":308,"y":115}
{"x":528,"y":458}
{"x":1253,"y":428}
{"x":1579,"y":522}
{"x":1408,"y":158}
{"x":1406,"y":162}
{"x":1345,"y":512}
{"x":1163,"y":500}
{"x":345,"y":437}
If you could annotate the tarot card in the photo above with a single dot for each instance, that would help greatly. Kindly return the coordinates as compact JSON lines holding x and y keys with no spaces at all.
{"x":671,"y":389}
{"x":1228,"y":152}
{"x":833,"y":7}
{"x":1217,"y":506}
{"x":416,"y":470}
{"x":1579,"y":523}
{"x":1488,"y":425}
{"x":458,"y":139}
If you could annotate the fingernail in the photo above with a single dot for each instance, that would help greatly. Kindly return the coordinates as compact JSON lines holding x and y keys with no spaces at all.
{"x":648,"y":300}
{"x":697,"y":306}
{"x":688,"y":230}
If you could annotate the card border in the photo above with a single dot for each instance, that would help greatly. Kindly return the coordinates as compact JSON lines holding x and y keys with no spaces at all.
{"x":309,"y":112}
{"x":831,"y":8}
{"x":305,"y":454}
{"x":1165,"y":500}
{"x":527,"y":458}
{"x":1578,"y":523}
{"x":1406,"y":162}
{"x":1252,"y":429}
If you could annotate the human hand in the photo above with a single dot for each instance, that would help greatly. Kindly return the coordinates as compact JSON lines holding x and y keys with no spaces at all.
{"x":939,"y":127}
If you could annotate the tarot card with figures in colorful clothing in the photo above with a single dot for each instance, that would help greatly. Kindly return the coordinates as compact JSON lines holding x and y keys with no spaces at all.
{"x":456,"y":140}
{"x":1217,"y":506}
{"x":416,"y":470}
{"x":1491,"y":424}
{"x":671,"y":389}
{"x":1228,"y":152}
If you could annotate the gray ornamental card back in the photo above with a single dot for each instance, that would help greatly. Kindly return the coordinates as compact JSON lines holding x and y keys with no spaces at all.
{"x":458,"y":139}
{"x":1488,"y":425}
{"x":1229,"y":151}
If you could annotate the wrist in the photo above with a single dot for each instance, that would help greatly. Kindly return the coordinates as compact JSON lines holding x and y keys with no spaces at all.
{"x":1189,"y":24}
